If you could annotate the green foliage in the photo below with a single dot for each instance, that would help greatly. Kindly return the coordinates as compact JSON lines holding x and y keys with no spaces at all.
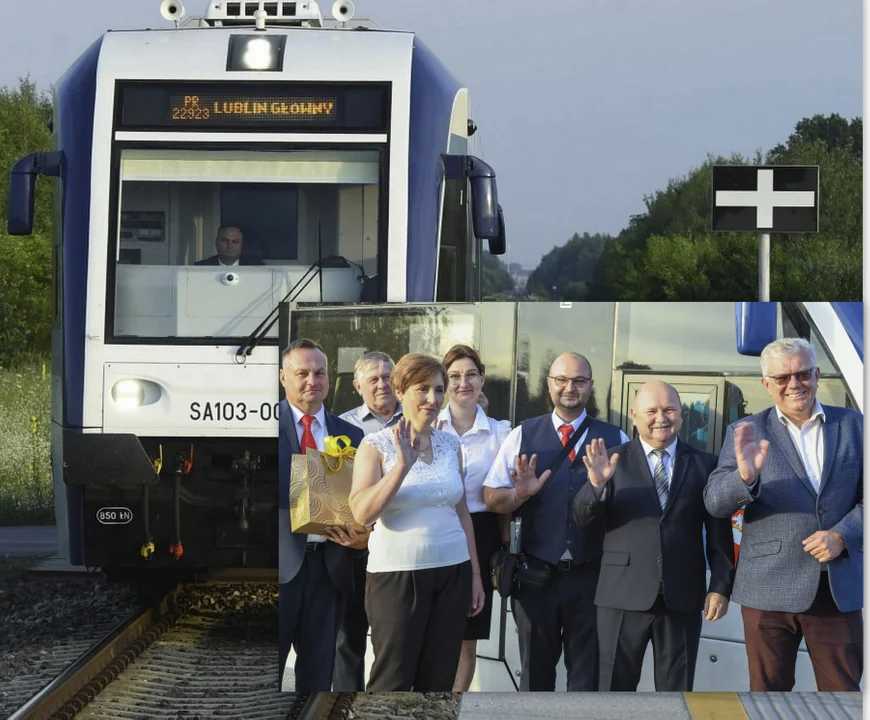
{"x":26,"y":496}
{"x":670,"y":253}
{"x":566,"y":271}
{"x":25,"y":298}
{"x":495,"y":279}
{"x":25,"y":273}
{"x":24,"y":115}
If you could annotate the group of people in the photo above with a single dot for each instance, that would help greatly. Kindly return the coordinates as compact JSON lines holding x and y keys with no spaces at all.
{"x":619,"y":532}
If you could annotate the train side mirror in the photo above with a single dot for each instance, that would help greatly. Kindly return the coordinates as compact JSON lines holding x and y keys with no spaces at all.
{"x":484,"y":199}
{"x":756,"y":326}
{"x":22,"y":189}
{"x":498,"y":245}
{"x":484,"y":195}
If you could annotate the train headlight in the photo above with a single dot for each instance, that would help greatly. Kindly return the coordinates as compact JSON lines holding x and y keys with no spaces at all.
{"x":256,"y":52}
{"x":129,"y":393}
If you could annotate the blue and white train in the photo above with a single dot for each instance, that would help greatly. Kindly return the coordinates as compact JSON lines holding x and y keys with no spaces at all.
{"x":342,"y":152}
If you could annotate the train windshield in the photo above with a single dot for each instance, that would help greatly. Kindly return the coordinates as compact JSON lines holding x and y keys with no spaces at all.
{"x":209,"y":241}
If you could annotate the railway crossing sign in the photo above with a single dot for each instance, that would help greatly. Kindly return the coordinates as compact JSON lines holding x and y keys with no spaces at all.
{"x":766,"y":198}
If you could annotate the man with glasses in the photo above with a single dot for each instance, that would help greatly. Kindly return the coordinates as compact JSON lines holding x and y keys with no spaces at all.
{"x":797,"y":467}
{"x":562,"y":612}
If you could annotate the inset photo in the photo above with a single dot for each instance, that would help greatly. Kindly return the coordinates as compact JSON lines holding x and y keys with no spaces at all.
{"x":469,"y":492}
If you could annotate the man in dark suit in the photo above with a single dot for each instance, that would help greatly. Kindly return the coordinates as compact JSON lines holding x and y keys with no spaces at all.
{"x":653,"y":576}
{"x":562,"y":613}
{"x":229,"y":243}
{"x":798,"y":470}
{"x":315,"y":573}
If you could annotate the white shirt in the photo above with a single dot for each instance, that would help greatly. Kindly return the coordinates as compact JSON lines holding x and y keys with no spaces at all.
{"x":479,"y":449}
{"x":809,"y":442}
{"x":667,"y":460}
{"x":499,"y":475}
{"x":318,"y":429}
{"x":222,"y":263}
{"x":419,"y":528}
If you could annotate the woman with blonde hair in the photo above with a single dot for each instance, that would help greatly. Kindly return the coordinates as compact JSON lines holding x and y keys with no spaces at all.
{"x":423,"y":577}
{"x":480,"y":437}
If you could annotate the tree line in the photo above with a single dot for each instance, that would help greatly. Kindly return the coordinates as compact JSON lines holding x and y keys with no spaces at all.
{"x":670,"y":253}
{"x":666,"y":253}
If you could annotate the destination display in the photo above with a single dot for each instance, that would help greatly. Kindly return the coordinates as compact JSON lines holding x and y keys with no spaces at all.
{"x":253,"y":106}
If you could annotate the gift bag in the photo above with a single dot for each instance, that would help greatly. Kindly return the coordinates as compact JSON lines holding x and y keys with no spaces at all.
{"x":320,"y":486}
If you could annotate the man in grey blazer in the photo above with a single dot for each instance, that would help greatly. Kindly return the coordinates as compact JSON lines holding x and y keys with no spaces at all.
{"x":798,"y":469}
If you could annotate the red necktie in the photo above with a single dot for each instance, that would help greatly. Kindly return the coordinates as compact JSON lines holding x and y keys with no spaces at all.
{"x":566,"y":431}
{"x":307,"y":435}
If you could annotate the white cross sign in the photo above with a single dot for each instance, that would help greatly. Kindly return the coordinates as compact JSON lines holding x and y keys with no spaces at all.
{"x":765,"y":198}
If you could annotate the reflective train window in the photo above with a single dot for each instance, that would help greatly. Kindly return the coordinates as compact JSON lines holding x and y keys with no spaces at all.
{"x":209,"y":241}
{"x":348,"y":333}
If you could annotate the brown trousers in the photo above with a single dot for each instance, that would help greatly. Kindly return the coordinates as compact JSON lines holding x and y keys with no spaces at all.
{"x":835,"y":641}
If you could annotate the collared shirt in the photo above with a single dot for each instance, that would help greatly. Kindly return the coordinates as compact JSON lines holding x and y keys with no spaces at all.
{"x":368,"y":420}
{"x":499,"y":475}
{"x":222,"y":263}
{"x":667,"y":460}
{"x":479,"y":449}
{"x":808,"y":440}
{"x":318,"y":429}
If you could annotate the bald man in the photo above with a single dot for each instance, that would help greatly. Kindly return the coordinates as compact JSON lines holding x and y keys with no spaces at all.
{"x":560,"y":615}
{"x":652,"y":586}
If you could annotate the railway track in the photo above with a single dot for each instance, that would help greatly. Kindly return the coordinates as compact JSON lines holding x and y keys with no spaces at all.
{"x":200,"y":651}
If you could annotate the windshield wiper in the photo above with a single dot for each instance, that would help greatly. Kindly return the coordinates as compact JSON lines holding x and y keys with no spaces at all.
{"x":260,"y":331}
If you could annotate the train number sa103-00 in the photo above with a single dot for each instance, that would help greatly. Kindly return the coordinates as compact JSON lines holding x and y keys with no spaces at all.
{"x":233,"y":412}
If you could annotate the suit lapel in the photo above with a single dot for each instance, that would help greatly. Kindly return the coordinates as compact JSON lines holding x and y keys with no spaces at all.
{"x":288,"y":428}
{"x":330,"y":424}
{"x":681,"y":466}
{"x":831,"y":437}
{"x":780,"y":437}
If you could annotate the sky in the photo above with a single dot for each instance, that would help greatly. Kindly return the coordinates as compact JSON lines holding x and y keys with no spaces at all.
{"x":583,"y":106}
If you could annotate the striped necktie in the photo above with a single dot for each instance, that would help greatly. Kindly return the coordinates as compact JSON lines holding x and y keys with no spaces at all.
{"x":660,"y":478}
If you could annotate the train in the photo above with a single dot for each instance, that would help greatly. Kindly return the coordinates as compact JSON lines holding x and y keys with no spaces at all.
{"x":709,"y":351}
{"x":336,"y":159}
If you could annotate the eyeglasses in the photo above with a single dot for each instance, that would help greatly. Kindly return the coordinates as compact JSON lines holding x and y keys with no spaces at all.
{"x":562,"y":381}
{"x":801,"y":375}
{"x":455,"y":379}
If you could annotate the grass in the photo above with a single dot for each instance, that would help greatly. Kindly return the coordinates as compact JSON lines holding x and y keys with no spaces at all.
{"x":26,"y":491}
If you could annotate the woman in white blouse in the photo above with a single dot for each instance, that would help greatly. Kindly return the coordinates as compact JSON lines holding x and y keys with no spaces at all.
{"x":480,"y":437}
{"x":423,"y":577}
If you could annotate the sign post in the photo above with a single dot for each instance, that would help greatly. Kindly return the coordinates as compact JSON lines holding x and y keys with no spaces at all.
{"x":765,"y":199}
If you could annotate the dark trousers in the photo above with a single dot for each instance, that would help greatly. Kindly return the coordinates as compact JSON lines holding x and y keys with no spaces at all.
{"x":418,"y":619}
{"x":309,"y":612}
{"x":350,"y":650}
{"x":561,"y":613}
{"x":835,"y":641}
{"x":622,"y":639}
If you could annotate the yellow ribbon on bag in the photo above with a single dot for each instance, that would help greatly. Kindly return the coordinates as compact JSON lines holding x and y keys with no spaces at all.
{"x":332,"y":449}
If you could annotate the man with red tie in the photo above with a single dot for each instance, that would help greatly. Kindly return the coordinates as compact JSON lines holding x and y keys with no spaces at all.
{"x":562,"y":613}
{"x":315,"y":573}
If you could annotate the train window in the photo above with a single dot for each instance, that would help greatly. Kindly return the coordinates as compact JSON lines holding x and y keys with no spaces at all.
{"x":685,"y":337}
{"x":347,"y":333}
{"x":546,"y":329}
{"x":209,"y":241}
